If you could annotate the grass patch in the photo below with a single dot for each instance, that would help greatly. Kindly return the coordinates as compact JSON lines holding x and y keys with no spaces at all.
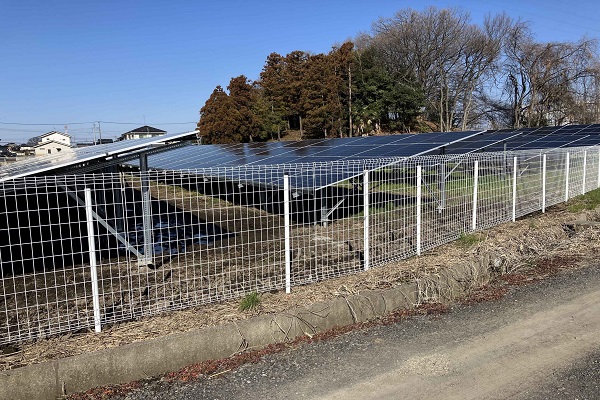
{"x":587,"y":201}
{"x":250,"y":302}
{"x":468,"y":239}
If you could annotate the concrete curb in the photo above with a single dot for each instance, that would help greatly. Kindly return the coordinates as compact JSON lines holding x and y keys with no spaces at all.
{"x":158,"y":356}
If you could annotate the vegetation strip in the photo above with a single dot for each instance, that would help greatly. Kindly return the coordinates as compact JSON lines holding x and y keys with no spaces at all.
{"x":543,"y":268}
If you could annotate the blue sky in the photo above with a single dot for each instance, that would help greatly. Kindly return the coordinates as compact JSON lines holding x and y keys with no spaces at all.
{"x":157,"y":62}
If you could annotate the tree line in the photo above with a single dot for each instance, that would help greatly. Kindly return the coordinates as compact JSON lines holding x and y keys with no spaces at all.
{"x":416,"y":71}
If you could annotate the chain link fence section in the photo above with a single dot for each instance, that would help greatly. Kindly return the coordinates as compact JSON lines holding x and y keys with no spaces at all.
{"x":86,"y":251}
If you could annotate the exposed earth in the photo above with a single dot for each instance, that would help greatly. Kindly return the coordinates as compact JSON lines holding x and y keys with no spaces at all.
{"x":539,"y":341}
{"x":530,"y":248}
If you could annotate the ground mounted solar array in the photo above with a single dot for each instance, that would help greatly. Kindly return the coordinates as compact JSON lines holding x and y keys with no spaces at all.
{"x":75,"y":157}
{"x":267,"y":162}
{"x":344,"y":157}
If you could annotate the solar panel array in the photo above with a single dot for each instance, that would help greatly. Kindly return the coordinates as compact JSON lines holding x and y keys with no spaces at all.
{"x":70,"y":157}
{"x":304,"y":152}
{"x":290,"y":157}
{"x":267,"y":162}
{"x":529,"y":139}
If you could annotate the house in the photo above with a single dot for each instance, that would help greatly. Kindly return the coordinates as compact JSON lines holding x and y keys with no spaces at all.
{"x":50,"y":147}
{"x":142,"y":132}
{"x":49,"y":143}
{"x":55,"y":136}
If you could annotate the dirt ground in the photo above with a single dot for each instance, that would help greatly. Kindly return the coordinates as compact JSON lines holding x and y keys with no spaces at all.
{"x":512,"y":247}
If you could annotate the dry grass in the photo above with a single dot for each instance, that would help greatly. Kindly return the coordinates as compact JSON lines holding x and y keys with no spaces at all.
{"x":508,"y":248}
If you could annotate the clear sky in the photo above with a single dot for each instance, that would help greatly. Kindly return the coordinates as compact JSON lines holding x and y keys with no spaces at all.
{"x":73,"y":62}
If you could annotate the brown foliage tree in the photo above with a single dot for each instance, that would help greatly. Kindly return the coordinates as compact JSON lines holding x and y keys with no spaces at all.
{"x":217,"y":119}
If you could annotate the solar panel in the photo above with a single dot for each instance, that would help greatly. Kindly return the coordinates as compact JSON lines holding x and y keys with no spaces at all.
{"x":529,"y":139}
{"x":290,"y":156}
{"x":70,"y":157}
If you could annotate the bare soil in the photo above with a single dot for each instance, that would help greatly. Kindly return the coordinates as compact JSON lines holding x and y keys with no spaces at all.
{"x":512,"y":248}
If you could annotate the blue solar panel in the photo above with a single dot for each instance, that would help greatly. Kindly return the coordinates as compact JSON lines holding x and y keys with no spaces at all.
{"x":74,"y":156}
{"x":529,"y":139}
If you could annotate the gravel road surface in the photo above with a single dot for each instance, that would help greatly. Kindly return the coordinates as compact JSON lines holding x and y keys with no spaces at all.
{"x":540,"y":341}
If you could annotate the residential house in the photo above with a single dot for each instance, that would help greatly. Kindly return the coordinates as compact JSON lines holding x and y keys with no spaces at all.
{"x":142,"y":132}
{"x":49,"y":147}
{"x":52,"y":143}
{"x":58,"y":137}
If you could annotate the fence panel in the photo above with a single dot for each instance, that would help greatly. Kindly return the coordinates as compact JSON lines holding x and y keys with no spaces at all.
{"x":167,"y":240}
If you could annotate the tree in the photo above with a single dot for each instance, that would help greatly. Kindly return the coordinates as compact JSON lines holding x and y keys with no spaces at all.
{"x":33,"y":141}
{"x":272,"y":86}
{"x":544,"y":81}
{"x":244,"y":95}
{"x":294,"y":78}
{"x":217,"y":119}
{"x":444,"y":53}
{"x":382,"y":101}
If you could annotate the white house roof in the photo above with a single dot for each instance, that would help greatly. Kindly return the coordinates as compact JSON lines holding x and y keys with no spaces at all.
{"x":55,"y":133}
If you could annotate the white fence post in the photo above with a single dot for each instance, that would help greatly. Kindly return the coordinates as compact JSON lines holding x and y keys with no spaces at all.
{"x":514,"y":190}
{"x":544,"y":183}
{"x":92,"y":253}
{"x":598,"y":183}
{"x":286,"y":219}
{"x":366,"y":221}
{"x":567,"y":162}
{"x":584,"y":171}
{"x":475,"y":179}
{"x":418,"y":233}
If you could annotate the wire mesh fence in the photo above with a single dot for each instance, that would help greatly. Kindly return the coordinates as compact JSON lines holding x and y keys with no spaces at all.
{"x":84,"y":251}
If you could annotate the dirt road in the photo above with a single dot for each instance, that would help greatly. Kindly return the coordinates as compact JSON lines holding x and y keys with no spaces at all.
{"x":535,"y":342}
{"x":501,"y":363}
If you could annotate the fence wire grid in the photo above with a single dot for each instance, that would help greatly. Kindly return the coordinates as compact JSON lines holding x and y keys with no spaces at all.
{"x":81,"y":252}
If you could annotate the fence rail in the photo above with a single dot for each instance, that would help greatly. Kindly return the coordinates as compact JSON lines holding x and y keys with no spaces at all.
{"x":84,"y":251}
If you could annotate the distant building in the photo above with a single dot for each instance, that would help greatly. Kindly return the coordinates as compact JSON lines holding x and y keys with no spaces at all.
{"x":52,"y":143}
{"x":103,"y":141}
{"x":142,"y":132}
{"x":56,"y":137}
{"x":49,"y":147}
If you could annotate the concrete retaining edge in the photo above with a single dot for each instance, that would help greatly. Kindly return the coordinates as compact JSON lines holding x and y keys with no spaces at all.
{"x":158,"y":356}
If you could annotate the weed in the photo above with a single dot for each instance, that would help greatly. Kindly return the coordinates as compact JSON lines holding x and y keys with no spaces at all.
{"x":250,"y":302}
{"x":532,"y":224}
{"x":587,"y":201}
{"x":468,"y":239}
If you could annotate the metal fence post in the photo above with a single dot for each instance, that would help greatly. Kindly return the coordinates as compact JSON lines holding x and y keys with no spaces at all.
{"x":544,"y":183}
{"x":286,"y":219}
{"x":418,"y":233}
{"x":567,"y":162}
{"x":598,"y":183}
{"x":442,"y":186}
{"x":146,"y":211}
{"x":92,"y":254}
{"x":366,"y":219}
{"x":475,"y":179}
{"x":514,"y":190}
{"x":584,"y":171}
